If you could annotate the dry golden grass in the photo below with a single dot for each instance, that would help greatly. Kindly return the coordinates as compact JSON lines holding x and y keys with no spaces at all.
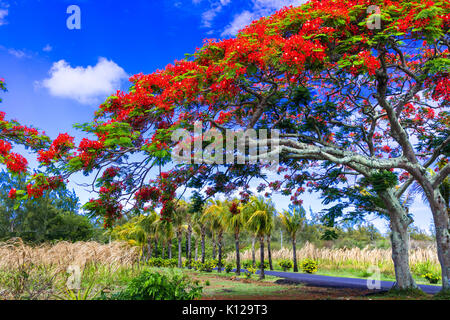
{"x":349,"y":257}
{"x":14,"y":253}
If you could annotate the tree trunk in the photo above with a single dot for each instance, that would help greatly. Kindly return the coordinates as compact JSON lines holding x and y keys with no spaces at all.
{"x":163,"y":253}
{"x":156,"y":248}
{"x":294,"y":253}
{"x":238,"y":257}
{"x":169,"y":245}
{"x":150,"y":248}
{"x":186,"y":246}
{"x":261,"y":253}
{"x":441,"y":219}
{"x":269,"y":252}
{"x":196,"y":248}
{"x":203,"y":244}
{"x":179,"y":239}
{"x":253,"y":252}
{"x":189,"y":255}
{"x":399,"y":222}
{"x":213,"y":247}
{"x":219,"y":243}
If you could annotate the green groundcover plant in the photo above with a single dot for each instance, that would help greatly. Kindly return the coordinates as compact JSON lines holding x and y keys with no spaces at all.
{"x":156,"y":286}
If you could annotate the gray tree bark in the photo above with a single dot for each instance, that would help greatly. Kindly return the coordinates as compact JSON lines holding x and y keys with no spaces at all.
{"x":261,"y":254}
{"x":238,"y":255}
{"x":399,"y":222}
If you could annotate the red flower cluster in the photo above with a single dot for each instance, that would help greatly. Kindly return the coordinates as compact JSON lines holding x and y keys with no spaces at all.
{"x":16,"y":163}
{"x":234,"y":208}
{"x":5,"y":148}
{"x":110,"y":173}
{"x":12,"y":193}
{"x":148,"y":193}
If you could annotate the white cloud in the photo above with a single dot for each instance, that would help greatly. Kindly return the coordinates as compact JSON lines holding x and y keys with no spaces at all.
{"x":47,"y":48}
{"x":3,"y":14}
{"x":209,"y":15}
{"x":18,"y":53}
{"x":239,"y":21}
{"x":260,"y":8}
{"x":88,"y":84}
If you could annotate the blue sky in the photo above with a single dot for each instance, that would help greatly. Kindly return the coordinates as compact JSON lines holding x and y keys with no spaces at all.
{"x":57,"y":77}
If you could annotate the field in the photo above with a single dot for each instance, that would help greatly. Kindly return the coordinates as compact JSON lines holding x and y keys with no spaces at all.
{"x":42,"y":272}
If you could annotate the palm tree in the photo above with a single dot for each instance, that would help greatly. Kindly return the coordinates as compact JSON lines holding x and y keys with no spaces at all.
{"x":235,"y":221}
{"x":147,"y":225}
{"x":270,"y":228}
{"x":215,"y":213}
{"x":293,"y":222}
{"x":165,"y":232}
{"x":260,"y":222}
{"x":133,"y":233}
{"x":178,"y":220}
{"x":201,"y":223}
{"x":197,"y":235}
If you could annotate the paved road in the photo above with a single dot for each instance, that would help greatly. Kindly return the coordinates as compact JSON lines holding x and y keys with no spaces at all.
{"x":340,"y":282}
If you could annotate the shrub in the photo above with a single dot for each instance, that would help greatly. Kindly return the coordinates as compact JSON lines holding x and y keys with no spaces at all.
{"x":208,"y":266}
{"x":422,"y":268}
{"x":249,"y":272}
{"x":155,"y":262}
{"x":431,"y":277}
{"x":170,"y":263}
{"x":266,"y":264}
{"x":309,"y":266}
{"x":247,"y":264}
{"x":196,"y":264}
{"x":155,"y":286}
{"x":285,"y":264}
{"x":162,"y":263}
{"x":228,"y":267}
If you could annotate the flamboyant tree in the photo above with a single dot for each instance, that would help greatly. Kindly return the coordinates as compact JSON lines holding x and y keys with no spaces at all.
{"x":351,"y":93}
{"x":13,"y":133}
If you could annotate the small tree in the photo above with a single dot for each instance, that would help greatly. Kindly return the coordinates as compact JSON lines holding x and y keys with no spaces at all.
{"x":293,"y":222}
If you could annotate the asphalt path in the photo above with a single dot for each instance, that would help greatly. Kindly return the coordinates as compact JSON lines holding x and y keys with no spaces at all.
{"x":341,"y":282}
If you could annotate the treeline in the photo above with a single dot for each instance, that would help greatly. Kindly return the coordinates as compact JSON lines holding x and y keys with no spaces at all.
{"x":55,"y":216}
{"x":200,"y":231}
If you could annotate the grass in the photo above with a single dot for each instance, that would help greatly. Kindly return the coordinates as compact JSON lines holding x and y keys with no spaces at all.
{"x":40,"y":272}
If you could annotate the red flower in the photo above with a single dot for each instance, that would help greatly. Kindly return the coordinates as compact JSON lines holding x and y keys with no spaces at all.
{"x":5,"y":147}
{"x":12,"y":193}
{"x":16,"y":163}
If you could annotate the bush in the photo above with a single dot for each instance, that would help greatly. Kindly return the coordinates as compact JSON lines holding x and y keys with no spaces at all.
{"x":208,"y":266}
{"x":309,"y":266}
{"x":266,"y":264}
{"x":249,"y":272}
{"x":162,"y":263}
{"x":155,"y":286}
{"x":170,"y":263}
{"x":196,"y":264}
{"x":247,"y":264}
{"x":285,"y":264}
{"x":228,"y":267}
{"x":155,"y":262}
{"x":432,"y":278}
{"x":422,"y":268}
